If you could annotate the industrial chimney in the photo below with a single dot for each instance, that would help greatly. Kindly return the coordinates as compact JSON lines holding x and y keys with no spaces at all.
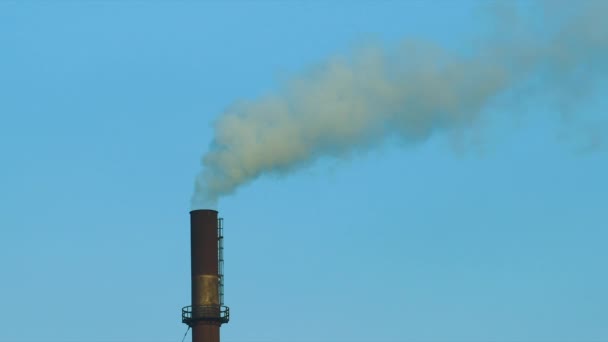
{"x":207,"y":312}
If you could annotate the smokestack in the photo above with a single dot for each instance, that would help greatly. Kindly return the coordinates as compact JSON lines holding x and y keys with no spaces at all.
{"x":206,"y":313}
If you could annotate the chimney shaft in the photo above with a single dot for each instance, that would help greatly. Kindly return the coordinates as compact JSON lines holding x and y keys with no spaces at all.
{"x":206,"y":313}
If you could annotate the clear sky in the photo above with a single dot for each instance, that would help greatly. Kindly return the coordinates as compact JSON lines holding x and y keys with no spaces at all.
{"x":107,"y":106}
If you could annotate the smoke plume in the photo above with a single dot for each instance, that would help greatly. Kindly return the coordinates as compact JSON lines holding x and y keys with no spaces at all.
{"x":411,"y":90}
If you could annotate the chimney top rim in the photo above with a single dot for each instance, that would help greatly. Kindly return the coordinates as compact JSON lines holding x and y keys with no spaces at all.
{"x":202,"y":210}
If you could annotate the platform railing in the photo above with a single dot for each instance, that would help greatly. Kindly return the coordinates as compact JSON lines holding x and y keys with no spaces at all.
{"x":209,"y":313}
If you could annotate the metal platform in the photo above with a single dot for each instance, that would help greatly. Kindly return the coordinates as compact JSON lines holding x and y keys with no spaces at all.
{"x":206,"y":313}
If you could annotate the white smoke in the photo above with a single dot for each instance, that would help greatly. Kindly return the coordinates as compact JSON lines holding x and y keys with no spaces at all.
{"x":411,"y":91}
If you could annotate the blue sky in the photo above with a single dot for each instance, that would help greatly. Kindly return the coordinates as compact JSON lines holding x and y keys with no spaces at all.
{"x":106,"y":108}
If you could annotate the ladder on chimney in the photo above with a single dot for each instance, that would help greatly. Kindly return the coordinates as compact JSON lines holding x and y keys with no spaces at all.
{"x":220,"y":258}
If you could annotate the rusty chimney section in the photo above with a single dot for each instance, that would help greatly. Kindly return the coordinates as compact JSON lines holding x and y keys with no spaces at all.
{"x":207,"y":313}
